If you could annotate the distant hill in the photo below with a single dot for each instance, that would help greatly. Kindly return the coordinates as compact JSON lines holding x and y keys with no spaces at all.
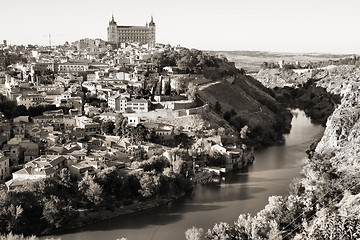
{"x":251,"y":61}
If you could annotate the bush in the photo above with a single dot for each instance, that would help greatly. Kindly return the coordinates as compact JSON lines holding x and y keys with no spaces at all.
{"x":227,"y":115}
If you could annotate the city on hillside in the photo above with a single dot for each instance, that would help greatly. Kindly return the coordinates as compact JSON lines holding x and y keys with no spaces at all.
{"x":95,"y":129}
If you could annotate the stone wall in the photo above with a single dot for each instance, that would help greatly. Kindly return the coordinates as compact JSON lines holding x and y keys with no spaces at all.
{"x":168,"y":113}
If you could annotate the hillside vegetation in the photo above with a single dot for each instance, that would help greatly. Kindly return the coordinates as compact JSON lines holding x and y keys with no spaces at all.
{"x":244,"y":101}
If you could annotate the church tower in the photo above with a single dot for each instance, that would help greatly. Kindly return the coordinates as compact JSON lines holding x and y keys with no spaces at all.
{"x":152,"y":28}
{"x":112,"y":31}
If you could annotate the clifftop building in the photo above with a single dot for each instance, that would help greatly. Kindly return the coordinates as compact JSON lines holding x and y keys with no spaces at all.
{"x":140,"y":34}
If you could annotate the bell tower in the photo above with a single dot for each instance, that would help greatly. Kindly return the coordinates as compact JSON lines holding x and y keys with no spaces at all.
{"x":112,"y":31}
{"x":152,"y":30}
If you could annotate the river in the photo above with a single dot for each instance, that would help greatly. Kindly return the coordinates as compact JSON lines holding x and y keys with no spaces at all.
{"x":243,"y":191}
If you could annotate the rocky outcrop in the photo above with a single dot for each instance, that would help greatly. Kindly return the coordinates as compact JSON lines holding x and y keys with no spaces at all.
{"x":281,"y":77}
{"x":276,"y":77}
{"x":342,"y":134}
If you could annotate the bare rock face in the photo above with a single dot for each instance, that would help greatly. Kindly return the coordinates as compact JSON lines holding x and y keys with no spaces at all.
{"x":342,"y":134}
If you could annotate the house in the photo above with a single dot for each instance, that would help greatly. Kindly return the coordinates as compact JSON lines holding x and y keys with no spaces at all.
{"x":133,"y":120}
{"x":69,"y":67}
{"x":125,"y":146}
{"x":218,"y":148}
{"x":4,"y":168}
{"x":78,"y":169}
{"x":78,"y":154}
{"x":150,"y":150}
{"x":119,"y":102}
{"x":88,"y":124}
{"x":233,"y":156}
{"x":29,"y":149}
{"x":114,"y":102}
{"x":90,"y":111}
{"x":21,"y":119}
{"x":31,"y":100}
{"x":138,"y":105}
{"x":66,"y":79}
{"x":19,"y":130}
{"x":109,"y":116}
{"x":41,"y":167}
{"x":57,"y":122}
{"x":164,"y":131}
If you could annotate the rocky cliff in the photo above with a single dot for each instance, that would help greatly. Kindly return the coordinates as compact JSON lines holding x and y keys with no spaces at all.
{"x":342,"y":134}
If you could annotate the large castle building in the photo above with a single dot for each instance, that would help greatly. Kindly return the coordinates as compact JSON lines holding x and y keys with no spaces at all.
{"x":140,"y":34}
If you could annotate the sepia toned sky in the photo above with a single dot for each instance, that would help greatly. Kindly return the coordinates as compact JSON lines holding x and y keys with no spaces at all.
{"x":330,"y":26}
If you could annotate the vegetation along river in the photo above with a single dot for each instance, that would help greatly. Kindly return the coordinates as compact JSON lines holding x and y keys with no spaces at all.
{"x":243,"y":191}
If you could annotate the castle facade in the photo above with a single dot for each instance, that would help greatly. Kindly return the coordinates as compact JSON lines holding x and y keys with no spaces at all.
{"x":140,"y":34}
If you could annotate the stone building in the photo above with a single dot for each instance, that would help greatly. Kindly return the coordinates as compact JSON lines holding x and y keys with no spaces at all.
{"x":140,"y":34}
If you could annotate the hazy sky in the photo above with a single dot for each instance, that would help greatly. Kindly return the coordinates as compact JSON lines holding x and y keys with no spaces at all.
{"x":273,"y":25}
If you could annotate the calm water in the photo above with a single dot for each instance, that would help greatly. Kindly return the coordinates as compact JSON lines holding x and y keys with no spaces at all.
{"x":245,"y":191}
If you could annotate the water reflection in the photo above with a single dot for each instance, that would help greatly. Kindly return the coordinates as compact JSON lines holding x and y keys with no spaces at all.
{"x":244,"y":191}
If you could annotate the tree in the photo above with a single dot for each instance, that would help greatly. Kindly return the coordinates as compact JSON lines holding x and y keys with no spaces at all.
{"x":94,"y":193}
{"x":220,"y":231}
{"x":158,"y":87}
{"x":90,"y":189}
{"x":217,"y":107}
{"x":12,"y":236}
{"x":20,"y":111}
{"x":53,"y":211}
{"x":179,"y":85}
{"x":191,"y":92}
{"x":108,"y":127}
{"x":157,"y":163}
{"x":178,"y":165}
{"x":10,"y":217}
{"x":140,"y":133}
{"x":120,"y":126}
{"x":194,"y":233}
{"x":227,"y":115}
{"x":64,"y":176}
{"x":149,"y":183}
{"x":167,"y":88}
{"x":216,"y":159}
{"x":183,"y":140}
{"x":112,"y":180}
{"x":221,"y":131}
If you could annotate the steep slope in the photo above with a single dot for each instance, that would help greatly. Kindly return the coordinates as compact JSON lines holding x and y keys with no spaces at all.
{"x":244,"y":101}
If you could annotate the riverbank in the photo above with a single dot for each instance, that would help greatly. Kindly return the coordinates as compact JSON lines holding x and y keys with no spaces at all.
{"x":88,"y":217}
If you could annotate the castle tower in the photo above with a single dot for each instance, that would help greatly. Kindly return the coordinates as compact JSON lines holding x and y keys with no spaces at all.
{"x":112,"y":31}
{"x":152,"y":29}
